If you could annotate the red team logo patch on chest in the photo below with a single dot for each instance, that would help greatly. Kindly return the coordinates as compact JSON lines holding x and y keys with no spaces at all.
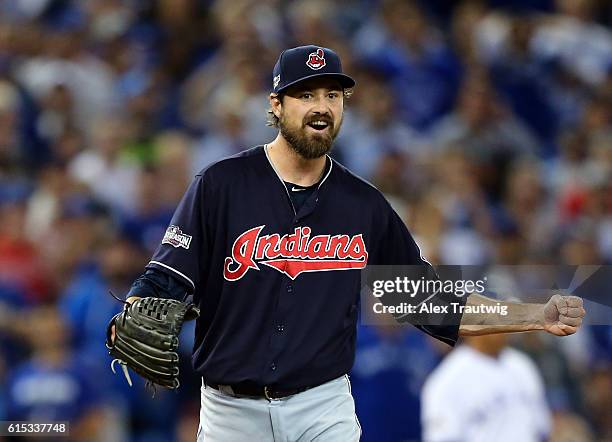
{"x":294,"y":253}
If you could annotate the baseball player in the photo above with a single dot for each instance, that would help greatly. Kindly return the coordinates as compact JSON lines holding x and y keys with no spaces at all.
{"x":485,"y":391}
{"x":269,"y":244}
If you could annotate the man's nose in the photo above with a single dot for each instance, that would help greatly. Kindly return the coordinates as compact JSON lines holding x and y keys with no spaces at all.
{"x":321,"y":106}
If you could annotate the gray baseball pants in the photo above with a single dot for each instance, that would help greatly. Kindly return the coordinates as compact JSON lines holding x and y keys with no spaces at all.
{"x":325,"y":414}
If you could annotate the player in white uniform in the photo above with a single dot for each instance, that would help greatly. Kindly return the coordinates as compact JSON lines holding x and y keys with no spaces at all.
{"x":482,"y":392}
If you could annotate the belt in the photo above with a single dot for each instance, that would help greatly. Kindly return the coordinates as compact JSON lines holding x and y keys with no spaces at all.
{"x":256,"y":391}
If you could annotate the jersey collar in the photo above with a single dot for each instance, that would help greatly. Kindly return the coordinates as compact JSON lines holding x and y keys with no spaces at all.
{"x":329,"y":164}
{"x":309,"y":206}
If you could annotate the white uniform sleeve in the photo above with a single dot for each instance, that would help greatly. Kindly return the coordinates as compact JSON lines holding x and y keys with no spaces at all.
{"x":441,"y":416}
{"x":542,"y":417}
{"x":532,"y":382}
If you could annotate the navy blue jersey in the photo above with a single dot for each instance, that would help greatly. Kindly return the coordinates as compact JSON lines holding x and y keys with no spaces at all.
{"x":279,"y":289}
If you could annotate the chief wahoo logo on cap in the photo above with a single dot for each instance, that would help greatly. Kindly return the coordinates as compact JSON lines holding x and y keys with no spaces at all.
{"x":316,"y":60}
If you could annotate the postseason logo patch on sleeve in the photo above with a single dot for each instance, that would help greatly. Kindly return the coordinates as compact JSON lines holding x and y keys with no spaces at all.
{"x":176,"y":238}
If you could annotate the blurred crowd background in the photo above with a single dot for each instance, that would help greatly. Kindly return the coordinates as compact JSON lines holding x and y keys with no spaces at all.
{"x":486,"y":123}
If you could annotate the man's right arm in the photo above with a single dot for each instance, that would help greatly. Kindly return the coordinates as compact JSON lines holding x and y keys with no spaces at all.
{"x":560,"y":316}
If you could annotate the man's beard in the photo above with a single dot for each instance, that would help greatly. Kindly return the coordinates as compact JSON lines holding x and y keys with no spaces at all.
{"x":309,"y":146}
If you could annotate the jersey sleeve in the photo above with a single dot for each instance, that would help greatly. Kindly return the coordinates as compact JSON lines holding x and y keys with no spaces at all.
{"x":182,"y":249}
{"x":398,"y":251}
{"x":440,"y":420}
{"x":155,"y":283}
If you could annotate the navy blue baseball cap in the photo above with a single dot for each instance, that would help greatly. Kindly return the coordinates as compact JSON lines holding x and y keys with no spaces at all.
{"x":305,"y":62}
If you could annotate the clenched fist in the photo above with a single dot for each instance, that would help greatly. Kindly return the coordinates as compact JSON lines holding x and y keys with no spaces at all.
{"x":563,"y":315}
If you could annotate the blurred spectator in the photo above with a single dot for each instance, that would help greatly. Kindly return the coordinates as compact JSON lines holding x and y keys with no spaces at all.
{"x":481,"y":124}
{"x":422,"y":69}
{"x":173,"y":158}
{"x":369,"y":132}
{"x":391,"y":366}
{"x":151,"y":216}
{"x":570,"y":427}
{"x":467,"y":16}
{"x":57,"y":115}
{"x":74,"y":236}
{"x":525,"y":202}
{"x":44,"y":205}
{"x":21,"y":267}
{"x":226,"y":138}
{"x":62,"y":60}
{"x":104,"y":167}
{"x":189,"y":420}
{"x":524,"y":80}
{"x":208,"y":88}
{"x":11,"y":150}
{"x":313,"y":21}
{"x":598,"y":402}
{"x":88,"y":305}
{"x":52,"y":385}
{"x":573,"y":37}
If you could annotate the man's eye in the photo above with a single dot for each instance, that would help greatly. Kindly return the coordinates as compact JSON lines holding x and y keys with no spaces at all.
{"x":306,"y":95}
{"x":333,"y":95}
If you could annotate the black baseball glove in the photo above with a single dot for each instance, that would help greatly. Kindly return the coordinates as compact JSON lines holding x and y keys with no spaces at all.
{"x":146,"y":339}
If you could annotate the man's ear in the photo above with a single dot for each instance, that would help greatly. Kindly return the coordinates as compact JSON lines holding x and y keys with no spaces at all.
{"x":276,"y":104}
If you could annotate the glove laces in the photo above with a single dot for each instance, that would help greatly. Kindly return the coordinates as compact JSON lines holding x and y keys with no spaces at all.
{"x":123,"y":365}
{"x":121,"y":362}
